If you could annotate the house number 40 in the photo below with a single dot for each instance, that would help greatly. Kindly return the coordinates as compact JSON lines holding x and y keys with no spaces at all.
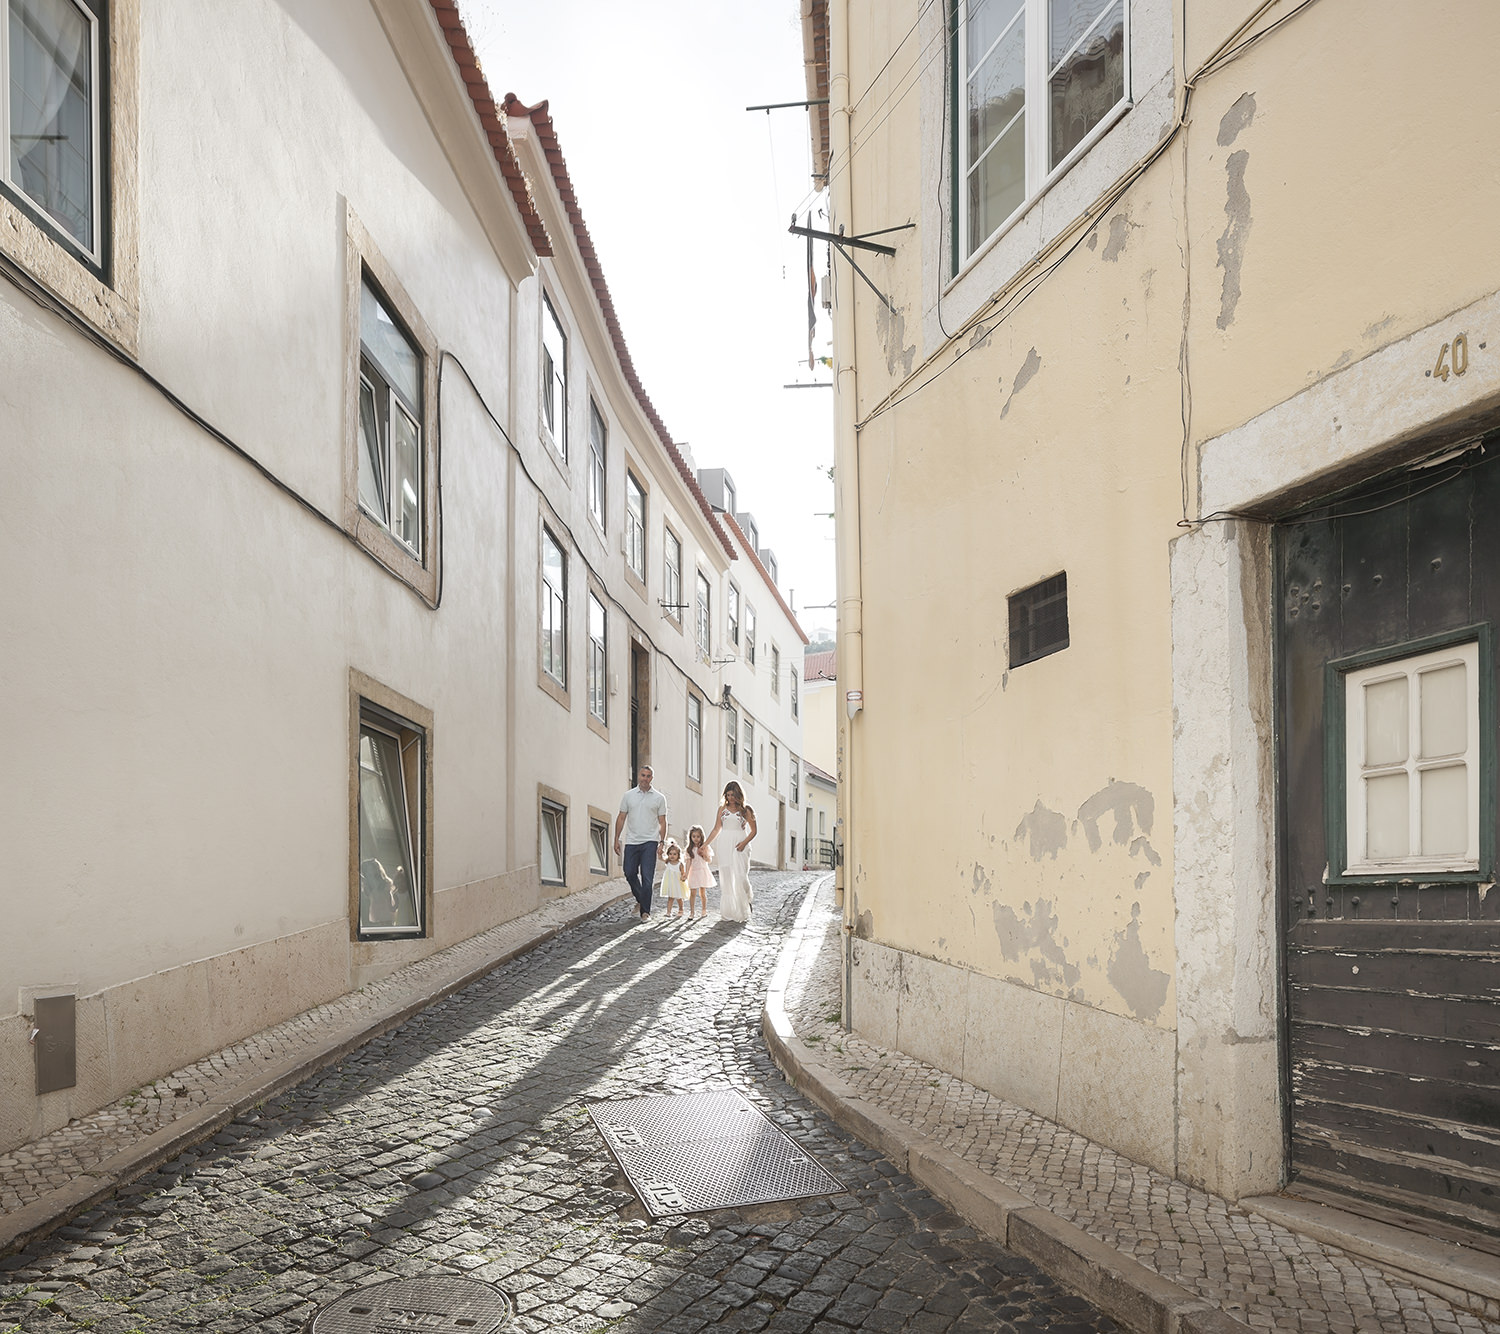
{"x":1453,"y":359}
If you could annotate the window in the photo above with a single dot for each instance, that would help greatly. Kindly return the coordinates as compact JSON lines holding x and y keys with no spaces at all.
{"x":704,"y":614}
{"x":796,"y":704}
{"x":554,"y":378}
{"x":729,"y":497}
{"x":750,"y":634}
{"x":769,"y":562}
{"x":732,"y":737}
{"x":734,"y":615}
{"x":1039,"y":620}
{"x":794,"y":786}
{"x":822,"y":824}
{"x":695,"y":738}
{"x":390,"y":417}
{"x":52,"y":57}
{"x":553,"y":852}
{"x":775,"y":768}
{"x":775,"y":672}
{"x":599,"y":847}
{"x":392,"y":769}
{"x":672,"y":574}
{"x":635,"y":526}
{"x":1412,"y":764}
{"x":554,"y":609}
{"x":598,"y":446}
{"x":749,"y":748}
{"x":1037,"y":78}
{"x":752,"y":534}
{"x":598,"y":660}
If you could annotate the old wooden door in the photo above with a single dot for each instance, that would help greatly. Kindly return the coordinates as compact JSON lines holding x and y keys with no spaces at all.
{"x":1386,"y":600}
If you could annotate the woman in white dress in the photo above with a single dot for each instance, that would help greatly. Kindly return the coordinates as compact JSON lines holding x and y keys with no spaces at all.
{"x":737,"y":822}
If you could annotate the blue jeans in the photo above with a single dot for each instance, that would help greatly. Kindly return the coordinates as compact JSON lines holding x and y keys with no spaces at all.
{"x":640,"y":871}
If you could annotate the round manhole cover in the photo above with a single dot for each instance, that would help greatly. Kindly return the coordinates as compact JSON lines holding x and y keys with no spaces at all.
{"x":407,"y":1304}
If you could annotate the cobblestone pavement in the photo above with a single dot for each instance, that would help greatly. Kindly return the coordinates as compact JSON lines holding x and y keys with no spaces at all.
{"x":1260,"y":1272}
{"x":459,"y":1144}
{"x":53,"y":1160}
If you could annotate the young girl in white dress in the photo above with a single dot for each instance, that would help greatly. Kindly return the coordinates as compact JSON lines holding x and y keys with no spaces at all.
{"x":737,"y":822}
{"x":672,"y":885}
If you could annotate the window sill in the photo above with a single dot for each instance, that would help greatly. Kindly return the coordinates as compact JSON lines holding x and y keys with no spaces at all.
{"x":636,"y":581}
{"x":598,"y":727}
{"x":552,"y":686}
{"x":1084,"y":147}
{"x":1409,"y":874}
{"x":544,"y":434}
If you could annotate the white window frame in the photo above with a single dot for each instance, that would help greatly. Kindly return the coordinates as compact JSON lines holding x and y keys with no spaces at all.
{"x":554,"y":613}
{"x":406,"y":790}
{"x":732,"y":738}
{"x":704,"y":605}
{"x":598,"y":464}
{"x":747,"y":746}
{"x":635,"y":526}
{"x":774,"y":771}
{"x":775,"y":672}
{"x":796,"y":699}
{"x":553,"y":407}
{"x":694,"y":737}
{"x":559,"y":816}
{"x":598,"y":659}
{"x":599,"y":847}
{"x":794,"y":784}
{"x":1038,"y":176}
{"x":95,"y":15}
{"x":750,"y":634}
{"x":671,"y":561}
{"x":1356,"y":772}
{"x":388,"y":401}
{"x":734,"y":613}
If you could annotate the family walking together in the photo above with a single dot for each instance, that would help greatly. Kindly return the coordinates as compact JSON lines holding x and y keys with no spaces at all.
{"x":641,"y":835}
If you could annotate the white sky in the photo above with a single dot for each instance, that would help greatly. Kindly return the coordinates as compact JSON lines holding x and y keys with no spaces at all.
{"x":687,"y":197}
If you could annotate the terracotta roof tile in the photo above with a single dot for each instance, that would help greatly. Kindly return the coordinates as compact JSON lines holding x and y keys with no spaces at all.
{"x":821,"y":666}
{"x":546,"y":135}
{"x":467,"y":63}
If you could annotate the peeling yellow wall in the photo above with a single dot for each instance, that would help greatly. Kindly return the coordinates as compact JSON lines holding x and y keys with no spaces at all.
{"x":1328,"y":197}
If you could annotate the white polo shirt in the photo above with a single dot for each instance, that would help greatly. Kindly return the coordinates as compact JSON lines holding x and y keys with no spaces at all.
{"x":644,"y":812}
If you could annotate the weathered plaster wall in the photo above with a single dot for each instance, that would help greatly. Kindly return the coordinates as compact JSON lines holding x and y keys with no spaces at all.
{"x":1089,"y":838}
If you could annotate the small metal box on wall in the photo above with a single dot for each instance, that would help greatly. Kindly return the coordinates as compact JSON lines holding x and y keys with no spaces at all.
{"x":54,"y":1040}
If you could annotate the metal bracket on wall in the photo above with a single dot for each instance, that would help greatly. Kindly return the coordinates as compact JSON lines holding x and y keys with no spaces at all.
{"x":843,"y":243}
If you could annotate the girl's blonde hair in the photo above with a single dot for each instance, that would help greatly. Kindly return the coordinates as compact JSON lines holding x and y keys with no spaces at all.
{"x":694,"y":847}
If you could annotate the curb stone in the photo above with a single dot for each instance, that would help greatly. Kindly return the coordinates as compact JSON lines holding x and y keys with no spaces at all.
{"x":20,"y":1227}
{"x":1124,"y":1289}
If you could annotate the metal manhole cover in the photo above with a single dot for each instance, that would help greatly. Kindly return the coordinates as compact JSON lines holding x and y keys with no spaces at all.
{"x":691,"y":1152}
{"x":405,"y":1304}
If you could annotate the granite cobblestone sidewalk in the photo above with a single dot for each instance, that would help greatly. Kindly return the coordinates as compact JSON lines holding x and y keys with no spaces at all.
{"x":1253,"y":1269}
{"x":45,"y":1181}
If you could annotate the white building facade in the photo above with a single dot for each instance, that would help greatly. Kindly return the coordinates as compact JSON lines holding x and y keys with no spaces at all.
{"x":404,"y":615}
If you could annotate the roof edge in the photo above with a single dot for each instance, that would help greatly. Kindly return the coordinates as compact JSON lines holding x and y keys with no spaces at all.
{"x":766,"y":575}
{"x":546,"y":133}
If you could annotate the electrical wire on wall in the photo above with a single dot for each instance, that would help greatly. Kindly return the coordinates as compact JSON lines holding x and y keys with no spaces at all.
{"x":999,"y":307}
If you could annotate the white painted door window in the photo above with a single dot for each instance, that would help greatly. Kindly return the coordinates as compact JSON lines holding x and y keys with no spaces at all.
{"x":1412,"y":764}
{"x":1038,"y":81}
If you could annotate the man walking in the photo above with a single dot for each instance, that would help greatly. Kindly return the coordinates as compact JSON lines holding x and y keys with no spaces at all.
{"x":643,"y":817}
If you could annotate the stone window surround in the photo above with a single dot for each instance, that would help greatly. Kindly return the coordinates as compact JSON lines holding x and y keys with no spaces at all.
{"x":555,"y":797}
{"x":694,"y":784}
{"x":1124,"y":137}
{"x":365,"y":689}
{"x":548,"y":522}
{"x":362,"y":256}
{"x":600,"y":727}
{"x":111,"y":302}
{"x":599,"y":816}
{"x":673,"y":615}
{"x":642,"y":478}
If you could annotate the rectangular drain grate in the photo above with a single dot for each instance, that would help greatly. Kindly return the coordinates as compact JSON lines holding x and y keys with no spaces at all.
{"x":688,"y":1153}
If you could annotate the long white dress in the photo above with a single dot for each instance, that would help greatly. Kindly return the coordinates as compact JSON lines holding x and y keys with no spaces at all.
{"x":734,"y":869}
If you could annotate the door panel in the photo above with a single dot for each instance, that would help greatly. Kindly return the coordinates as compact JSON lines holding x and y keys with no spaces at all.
{"x":1392,"y":985}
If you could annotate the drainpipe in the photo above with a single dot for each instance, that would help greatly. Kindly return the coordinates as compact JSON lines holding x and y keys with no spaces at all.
{"x":850,"y":631}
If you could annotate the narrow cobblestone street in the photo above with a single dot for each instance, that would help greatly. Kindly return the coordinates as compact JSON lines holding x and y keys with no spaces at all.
{"x":460,"y":1144}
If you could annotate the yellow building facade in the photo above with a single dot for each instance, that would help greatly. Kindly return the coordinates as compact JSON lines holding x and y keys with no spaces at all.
{"x":1178,"y":291}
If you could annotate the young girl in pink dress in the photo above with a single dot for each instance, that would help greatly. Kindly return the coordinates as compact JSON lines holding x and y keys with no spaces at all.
{"x":699,"y":877}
